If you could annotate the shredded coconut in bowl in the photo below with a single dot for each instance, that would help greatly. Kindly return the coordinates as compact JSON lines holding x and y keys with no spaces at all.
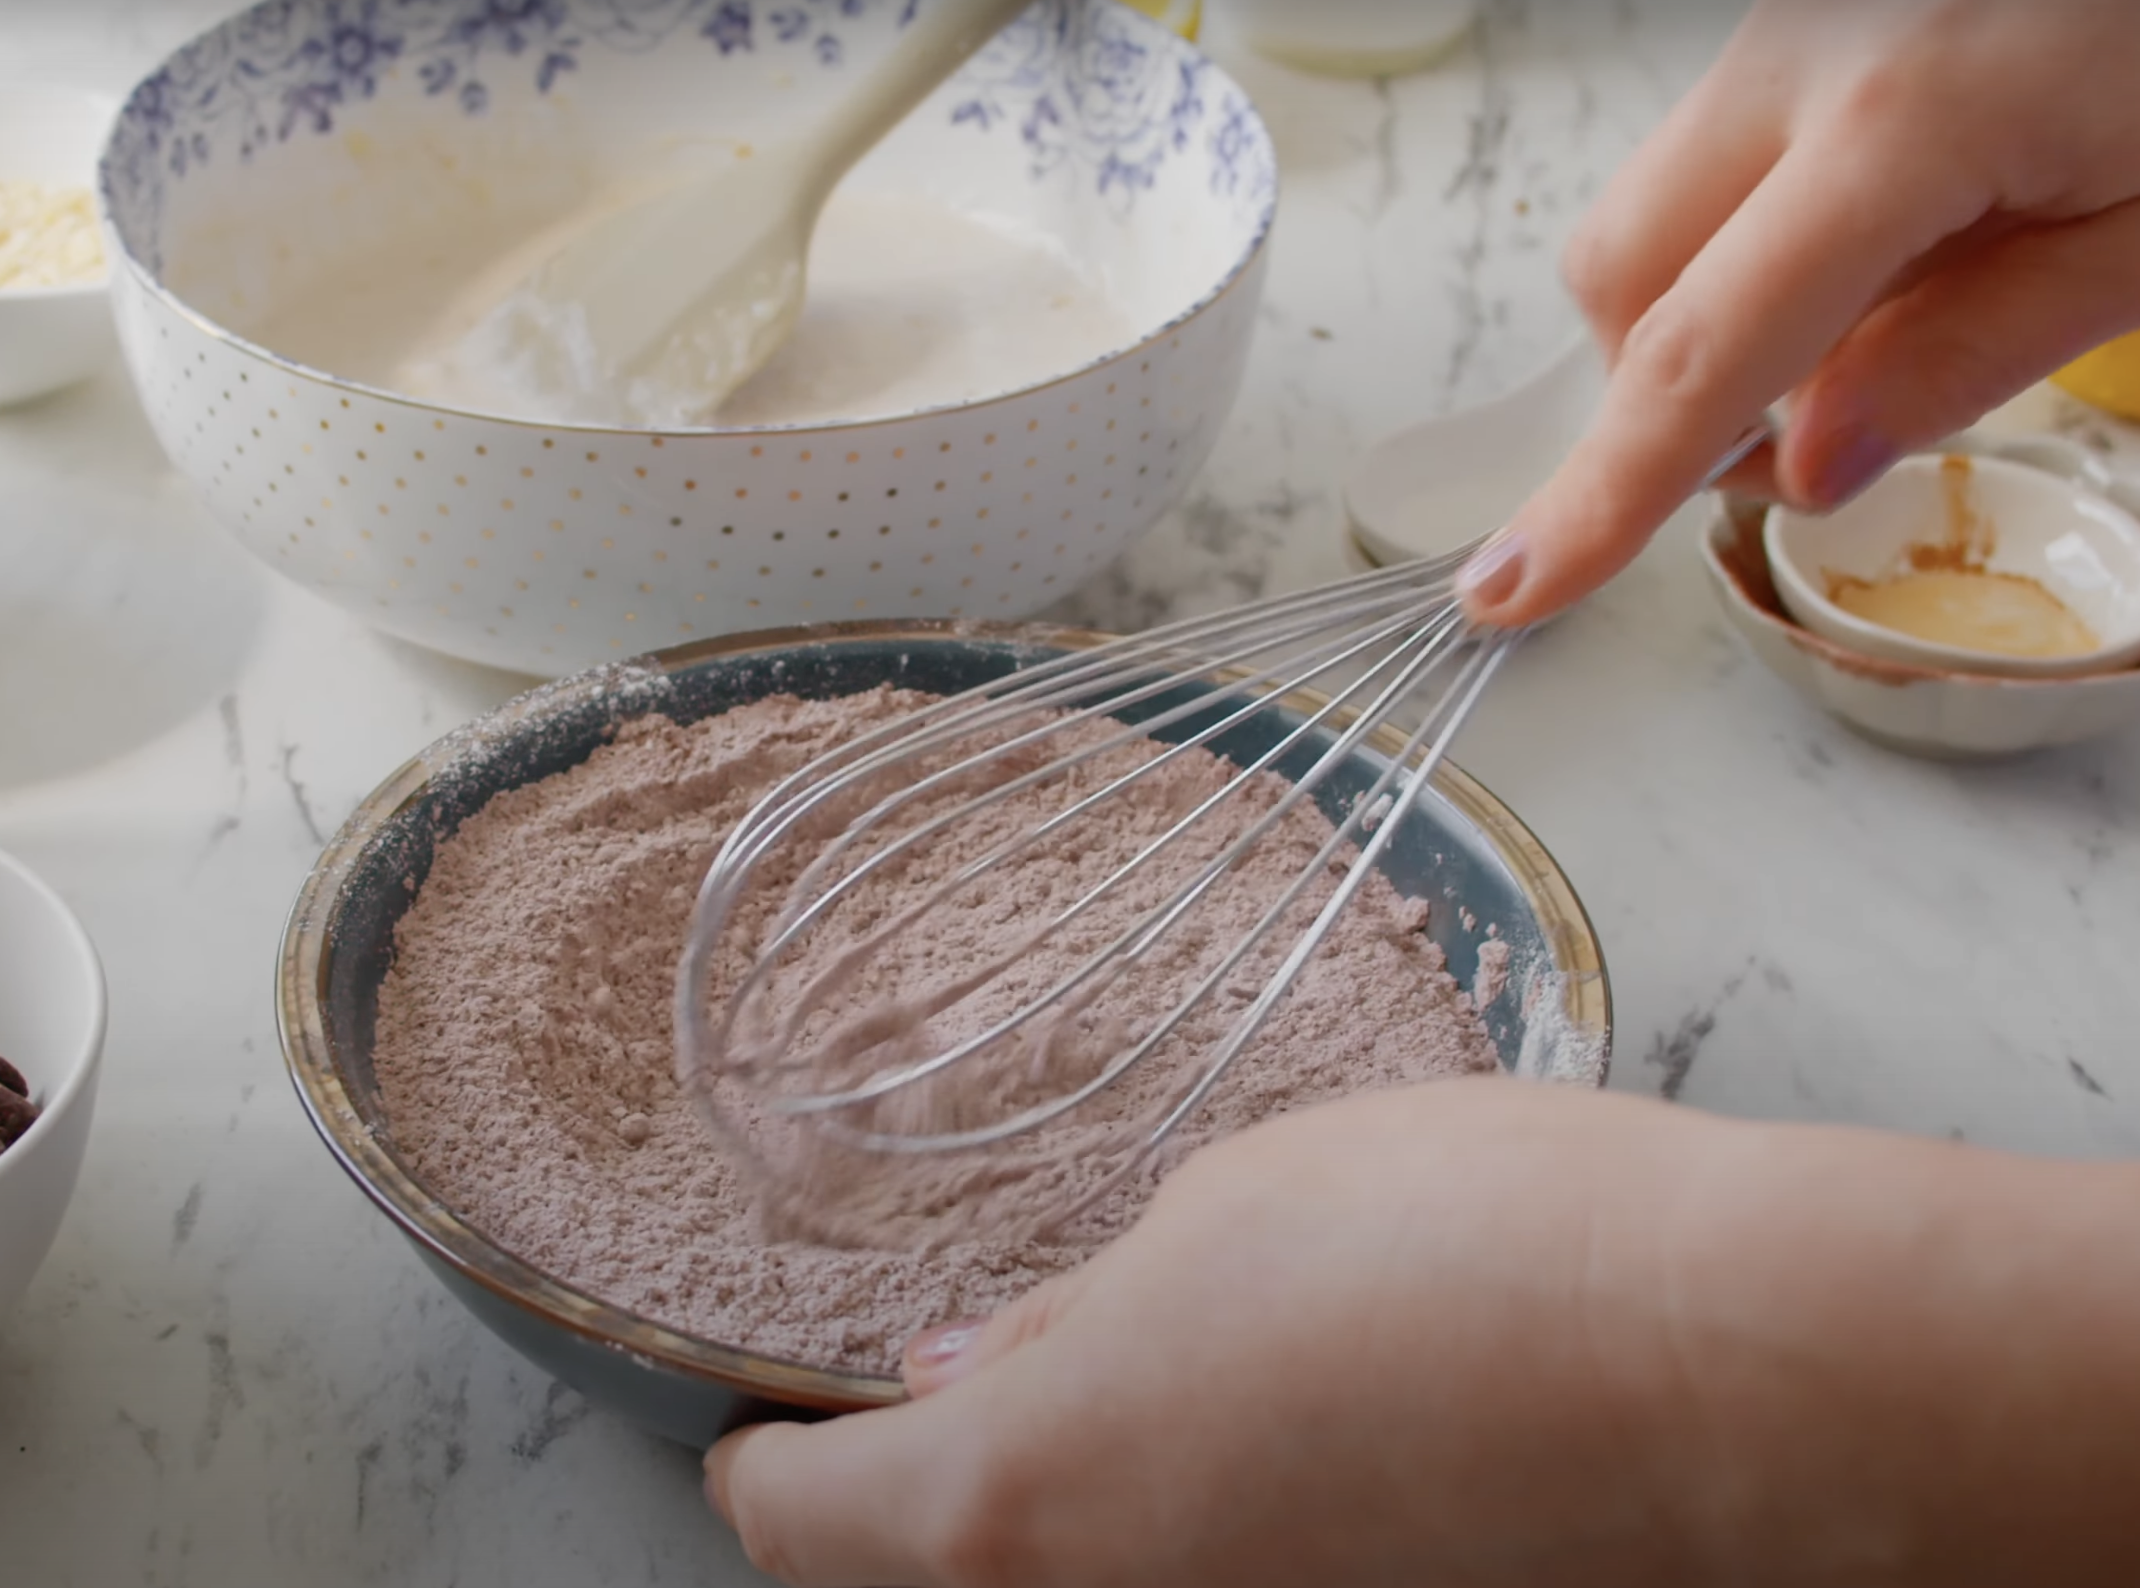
{"x":524,"y":1044}
{"x":48,"y":236}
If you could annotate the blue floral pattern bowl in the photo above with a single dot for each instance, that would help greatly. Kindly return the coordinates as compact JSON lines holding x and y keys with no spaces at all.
{"x":299,"y":154}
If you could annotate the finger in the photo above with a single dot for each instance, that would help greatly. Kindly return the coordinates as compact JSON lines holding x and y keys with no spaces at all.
{"x":1756,"y":478}
{"x":941,"y":1357}
{"x":1813,"y":248}
{"x":830,"y":1505}
{"x":1957,"y":345}
{"x":1670,"y":196}
{"x":837,"y":1505}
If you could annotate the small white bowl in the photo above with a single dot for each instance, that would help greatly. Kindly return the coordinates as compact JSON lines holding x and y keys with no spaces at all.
{"x":1923,"y":711}
{"x":51,"y":337}
{"x":2080,"y":546}
{"x":52,"y":1030}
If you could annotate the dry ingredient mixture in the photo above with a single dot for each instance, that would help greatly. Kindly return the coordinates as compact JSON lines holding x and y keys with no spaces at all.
{"x":17,"y":1112}
{"x":1494,"y":966}
{"x":48,"y":236}
{"x":525,"y":1059}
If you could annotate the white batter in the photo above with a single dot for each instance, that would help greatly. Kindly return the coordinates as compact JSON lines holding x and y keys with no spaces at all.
{"x":911,"y":304}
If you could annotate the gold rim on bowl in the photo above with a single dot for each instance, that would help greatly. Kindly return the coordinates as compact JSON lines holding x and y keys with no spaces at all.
{"x":309,"y":1053}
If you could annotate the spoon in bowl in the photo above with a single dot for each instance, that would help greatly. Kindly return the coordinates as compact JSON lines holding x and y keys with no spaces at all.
{"x":662,"y":310}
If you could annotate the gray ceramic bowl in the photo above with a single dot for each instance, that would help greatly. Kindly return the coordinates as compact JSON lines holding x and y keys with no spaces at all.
{"x":1460,"y":845}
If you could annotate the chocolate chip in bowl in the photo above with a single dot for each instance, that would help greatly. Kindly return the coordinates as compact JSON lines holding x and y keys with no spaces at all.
{"x":475,"y":1008}
{"x":17,"y":1111}
{"x":52,"y":1030}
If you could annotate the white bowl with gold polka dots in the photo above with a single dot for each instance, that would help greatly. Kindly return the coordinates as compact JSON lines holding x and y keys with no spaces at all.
{"x":287,"y":155}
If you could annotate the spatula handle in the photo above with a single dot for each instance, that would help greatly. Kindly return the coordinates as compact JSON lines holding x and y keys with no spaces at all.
{"x":942,"y":36}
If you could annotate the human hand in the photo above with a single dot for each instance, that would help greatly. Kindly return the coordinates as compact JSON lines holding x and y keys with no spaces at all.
{"x":1344,"y":1347}
{"x":1898,"y":212}
{"x":1486,"y":1333}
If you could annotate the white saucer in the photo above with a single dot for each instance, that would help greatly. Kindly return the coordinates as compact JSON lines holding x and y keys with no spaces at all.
{"x":1439,"y":486}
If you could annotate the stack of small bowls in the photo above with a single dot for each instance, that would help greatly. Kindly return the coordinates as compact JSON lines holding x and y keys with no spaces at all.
{"x":2042,"y":509}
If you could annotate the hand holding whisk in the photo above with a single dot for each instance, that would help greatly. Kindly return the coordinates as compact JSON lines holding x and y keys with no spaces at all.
{"x":1135,"y":826}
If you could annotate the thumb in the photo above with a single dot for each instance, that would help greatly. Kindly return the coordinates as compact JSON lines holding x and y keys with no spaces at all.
{"x":940,"y":1357}
{"x":1956,"y":345}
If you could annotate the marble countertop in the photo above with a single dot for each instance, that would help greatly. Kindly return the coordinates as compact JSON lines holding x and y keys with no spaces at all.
{"x":231,"y":1372}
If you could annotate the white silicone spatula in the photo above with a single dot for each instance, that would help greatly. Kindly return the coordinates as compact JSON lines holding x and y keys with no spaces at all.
{"x":1441,"y":486}
{"x":661,"y":311}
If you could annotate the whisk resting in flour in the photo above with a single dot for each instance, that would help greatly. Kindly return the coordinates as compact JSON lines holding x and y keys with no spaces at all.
{"x":1087,"y":732}
{"x":1020,"y":776}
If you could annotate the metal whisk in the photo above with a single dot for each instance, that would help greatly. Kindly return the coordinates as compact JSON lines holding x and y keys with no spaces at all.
{"x":1393,"y":638}
{"x":1399,"y":631}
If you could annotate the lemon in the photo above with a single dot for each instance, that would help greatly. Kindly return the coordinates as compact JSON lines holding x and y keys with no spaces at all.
{"x":1183,"y":16}
{"x":2108,"y":378}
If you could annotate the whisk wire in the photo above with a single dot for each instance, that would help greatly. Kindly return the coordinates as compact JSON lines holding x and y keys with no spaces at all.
{"x":1025,"y":689}
{"x":1442,"y":726}
{"x":1036,"y":689}
{"x":1400,"y":627}
{"x":1136,"y":940}
{"x":1012,"y":847}
{"x":1330,"y":653}
{"x":1478,"y":672}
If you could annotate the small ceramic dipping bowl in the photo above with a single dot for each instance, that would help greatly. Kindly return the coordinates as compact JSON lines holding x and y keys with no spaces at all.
{"x":1990,"y":514}
{"x":51,"y":337}
{"x":279,"y":178}
{"x":52,"y":1030}
{"x":1443,"y":485}
{"x":1553,"y":1022}
{"x":1934,"y":712}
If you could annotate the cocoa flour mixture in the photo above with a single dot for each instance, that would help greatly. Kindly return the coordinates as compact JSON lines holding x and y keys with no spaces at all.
{"x":525,"y":1059}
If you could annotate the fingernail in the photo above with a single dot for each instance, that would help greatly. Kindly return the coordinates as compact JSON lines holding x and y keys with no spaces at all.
{"x":1857,"y":456}
{"x":1494,"y":572}
{"x":936,"y":1347}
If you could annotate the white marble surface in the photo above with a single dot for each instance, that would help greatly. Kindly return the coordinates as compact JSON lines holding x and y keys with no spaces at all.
{"x":232,"y":1372}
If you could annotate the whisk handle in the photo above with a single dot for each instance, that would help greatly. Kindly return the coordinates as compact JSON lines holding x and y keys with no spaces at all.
{"x":1750,"y":440}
